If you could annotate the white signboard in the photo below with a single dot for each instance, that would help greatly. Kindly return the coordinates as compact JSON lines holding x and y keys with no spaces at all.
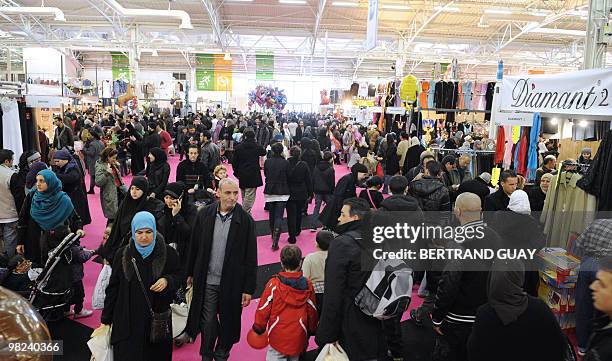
{"x":44,"y":101}
{"x":520,"y":119}
{"x":372,"y":25}
{"x":395,"y":110}
{"x":585,"y":92}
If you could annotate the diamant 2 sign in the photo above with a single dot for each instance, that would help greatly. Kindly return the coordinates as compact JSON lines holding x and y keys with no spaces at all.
{"x":585,"y":92}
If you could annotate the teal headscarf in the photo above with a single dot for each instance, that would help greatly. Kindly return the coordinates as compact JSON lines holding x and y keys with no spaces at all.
{"x":52,"y":207}
{"x":144,"y":220}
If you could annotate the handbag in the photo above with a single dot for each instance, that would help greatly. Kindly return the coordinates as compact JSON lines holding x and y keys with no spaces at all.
{"x":161,"y":322}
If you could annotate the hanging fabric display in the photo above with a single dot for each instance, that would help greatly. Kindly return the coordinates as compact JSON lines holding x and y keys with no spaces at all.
{"x":500,"y":146}
{"x":11,"y":127}
{"x":597,"y":180}
{"x":532,"y":157}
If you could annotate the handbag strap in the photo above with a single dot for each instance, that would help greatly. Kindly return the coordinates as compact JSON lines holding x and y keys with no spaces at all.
{"x":370,"y":197}
{"x":144,"y":291}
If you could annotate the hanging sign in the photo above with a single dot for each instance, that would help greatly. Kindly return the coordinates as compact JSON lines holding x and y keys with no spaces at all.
{"x":395,"y":110}
{"x":43,"y":101}
{"x":372,"y":35}
{"x":584,"y":92}
{"x":375,"y":109}
{"x":519,"y":119}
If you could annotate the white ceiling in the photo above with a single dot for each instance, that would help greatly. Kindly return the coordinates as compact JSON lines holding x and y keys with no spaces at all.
{"x":418,"y":32}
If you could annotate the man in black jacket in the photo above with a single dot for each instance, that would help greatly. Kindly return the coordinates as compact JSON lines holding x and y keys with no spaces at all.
{"x":425,"y":158}
{"x":323,"y":179}
{"x":262,"y":133}
{"x":399,"y":200}
{"x":478,"y":186}
{"x":222,"y":268}
{"x":246,"y":166}
{"x":600,"y":344}
{"x":342,"y":321}
{"x":461,"y":290}
{"x":210,"y":154}
{"x":499,"y":200}
{"x":151,"y":140}
{"x":192,"y":172}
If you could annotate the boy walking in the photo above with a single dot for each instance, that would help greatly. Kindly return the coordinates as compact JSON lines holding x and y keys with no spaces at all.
{"x":287,"y":309}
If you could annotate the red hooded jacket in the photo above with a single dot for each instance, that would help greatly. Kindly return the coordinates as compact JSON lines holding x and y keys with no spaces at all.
{"x":287,"y":309}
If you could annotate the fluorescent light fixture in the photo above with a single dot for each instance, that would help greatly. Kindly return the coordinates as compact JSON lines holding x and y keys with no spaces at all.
{"x":346,"y":4}
{"x":154,"y":53}
{"x":540,"y":13}
{"x":559,"y":31}
{"x":448,"y":9}
{"x":227,"y":56}
{"x":554,"y":121}
{"x":498,"y":11}
{"x":583,"y":123}
{"x":395,"y":7}
{"x":292,"y":2}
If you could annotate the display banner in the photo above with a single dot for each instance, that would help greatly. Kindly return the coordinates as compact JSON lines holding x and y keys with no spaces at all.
{"x":223,"y":74}
{"x":372,"y":35}
{"x":264,"y":69}
{"x":584,"y":92}
{"x":120,"y":67}
{"x":205,"y":72}
{"x":520,"y":119}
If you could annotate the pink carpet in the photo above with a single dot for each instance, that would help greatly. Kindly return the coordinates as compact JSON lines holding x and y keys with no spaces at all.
{"x":241,"y":351}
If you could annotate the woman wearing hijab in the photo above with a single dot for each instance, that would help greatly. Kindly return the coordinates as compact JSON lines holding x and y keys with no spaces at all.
{"x":345,"y":189}
{"x":73,"y":182}
{"x":136,"y":200}
{"x":514,"y":326}
{"x":125,"y":305}
{"x":537,"y":195}
{"x":47,"y":216}
{"x":158,"y":172}
{"x":108,"y":178}
{"x":413,"y":154}
{"x":32,"y":173}
{"x":300,"y":189}
{"x":388,"y":155}
{"x":25,"y":160}
{"x":518,"y":216}
{"x":136,"y":150}
{"x":276,"y":190}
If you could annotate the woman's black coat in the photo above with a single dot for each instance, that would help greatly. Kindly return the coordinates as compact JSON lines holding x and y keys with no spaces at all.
{"x":72,"y":184}
{"x":137,"y":154}
{"x":345,"y":189}
{"x":178,"y":229}
{"x":276,"y":170}
{"x":300,"y":180}
{"x":392,"y":166}
{"x":125,"y":306}
{"x":158,"y":174}
{"x":245,"y":163}
{"x":239,"y":271}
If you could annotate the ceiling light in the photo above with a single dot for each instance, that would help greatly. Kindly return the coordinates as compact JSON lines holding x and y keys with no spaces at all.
{"x":227,"y":56}
{"x":395,"y":7}
{"x":583,"y":123}
{"x":540,"y":13}
{"x":345,"y":4}
{"x":154,"y":53}
{"x":498,"y":11}
{"x":568,"y":32}
{"x":292,"y":2}
{"x":554,"y":121}
{"x":447,"y":9}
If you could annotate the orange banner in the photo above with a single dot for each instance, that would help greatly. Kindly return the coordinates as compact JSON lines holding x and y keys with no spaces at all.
{"x":223,"y":73}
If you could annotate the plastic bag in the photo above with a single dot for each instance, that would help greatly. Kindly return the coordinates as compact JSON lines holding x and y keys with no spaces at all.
{"x":332,"y":352}
{"x":99,"y":344}
{"x":97,"y":299}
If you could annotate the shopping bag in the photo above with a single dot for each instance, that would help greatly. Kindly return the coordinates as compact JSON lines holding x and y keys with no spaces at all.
{"x":179,"y":318}
{"x":332,"y":352}
{"x":99,"y":344}
{"x":97,"y":299}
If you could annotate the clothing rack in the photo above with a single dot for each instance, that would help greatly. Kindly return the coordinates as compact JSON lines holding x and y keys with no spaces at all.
{"x":471,"y":152}
{"x":453,"y":110}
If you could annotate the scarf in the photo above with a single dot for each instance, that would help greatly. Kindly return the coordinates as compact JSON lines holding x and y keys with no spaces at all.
{"x":144,"y":220}
{"x":63,"y":154}
{"x":130,"y":206}
{"x":506,"y":295}
{"x":31,"y":176}
{"x":532,"y":158}
{"x":519,"y":202}
{"x":500,"y":146}
{"x":52,"y":207}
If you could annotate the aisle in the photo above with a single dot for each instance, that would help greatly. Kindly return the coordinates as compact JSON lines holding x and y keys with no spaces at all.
{"x":268,"y":262}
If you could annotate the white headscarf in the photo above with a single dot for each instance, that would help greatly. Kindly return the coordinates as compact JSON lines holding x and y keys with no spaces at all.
{"x":519,"y":202}
{"x":414,"y":141}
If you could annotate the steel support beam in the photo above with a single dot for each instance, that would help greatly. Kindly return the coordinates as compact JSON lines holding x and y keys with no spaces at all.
{"x":318,"y":18}
{"x":595,"y":50}
{"x":216,"y":22}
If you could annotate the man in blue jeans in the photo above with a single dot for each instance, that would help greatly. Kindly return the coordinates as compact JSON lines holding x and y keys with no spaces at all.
{"x":9,"y":191}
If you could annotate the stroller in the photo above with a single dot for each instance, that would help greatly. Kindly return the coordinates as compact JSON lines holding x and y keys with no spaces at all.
{"x":53,"y":287}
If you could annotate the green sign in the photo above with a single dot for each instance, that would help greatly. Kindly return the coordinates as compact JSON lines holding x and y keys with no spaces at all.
{"x":264,"y":67}
{"x":205,"y":72}
{"x":121,"y":67}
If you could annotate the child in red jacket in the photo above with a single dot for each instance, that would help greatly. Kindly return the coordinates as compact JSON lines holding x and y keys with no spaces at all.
{"x":287,"y":309}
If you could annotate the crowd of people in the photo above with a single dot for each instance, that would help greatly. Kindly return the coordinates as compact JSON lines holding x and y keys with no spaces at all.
{"x":166,"y":236}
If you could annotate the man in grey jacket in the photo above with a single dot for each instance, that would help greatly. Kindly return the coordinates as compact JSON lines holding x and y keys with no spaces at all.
{"x":91,"y":151}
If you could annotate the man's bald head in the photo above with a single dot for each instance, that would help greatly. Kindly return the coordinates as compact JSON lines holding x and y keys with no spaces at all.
{"x":468,"y":207}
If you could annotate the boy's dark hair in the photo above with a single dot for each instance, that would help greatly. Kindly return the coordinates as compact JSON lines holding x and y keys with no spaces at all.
{"x":295,"y":152}
{"x":449,"y":159}
{"x":398,"y":184}
{"x":291,"y":257}
{"x":324,"y":238}
{"x":6,"y":154}
{"x":507,"y":174}
{"x":249,"y":133}
{"x":605,"y":264}
{"x":194,"y":146}
{"x":359,"y":207}
{"x":375,"y":181}
{"x":277,"y":149}
{"x":327,"y":156}
{"x":434,"y":168}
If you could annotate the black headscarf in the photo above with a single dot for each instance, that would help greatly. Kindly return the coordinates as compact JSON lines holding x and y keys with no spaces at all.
{"x":358,"y":168}
{"x":159,"y":154}
{"x":130,"y":206}
{"x":506,"y":294}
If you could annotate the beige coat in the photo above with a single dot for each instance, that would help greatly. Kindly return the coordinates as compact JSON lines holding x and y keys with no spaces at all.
{"x":574,"y":209}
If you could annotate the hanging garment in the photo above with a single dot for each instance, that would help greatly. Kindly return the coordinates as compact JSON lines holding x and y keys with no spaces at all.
{"x":532,"y":156}
{"x":399,"y":100}
{"x":431,"y":96}
{"x":567,"y":209}
{"x":467,"y":95}
{"x":423,"y":95}
{"x":509,"y":147}
{"x":439,"y":95}
{"x":522,"y":152}
{"x":354,"y":89}
{"x":460,"y":102}
{"x":479,"y":96}
{"x":597,"y":180}
{"x":363,"y":90}
{"x":11,"y":127}
{"x":371,"y":90}
{"x":408,"y":88}
{"x":489,"y":99}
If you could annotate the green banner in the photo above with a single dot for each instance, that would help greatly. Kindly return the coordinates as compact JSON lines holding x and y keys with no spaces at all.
{"x":264,"y":67}
{"x":121,"y":67}
{"x":205,"y":72}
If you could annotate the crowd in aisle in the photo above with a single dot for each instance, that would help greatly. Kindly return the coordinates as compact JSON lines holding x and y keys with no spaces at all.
{"x":193,"y":238}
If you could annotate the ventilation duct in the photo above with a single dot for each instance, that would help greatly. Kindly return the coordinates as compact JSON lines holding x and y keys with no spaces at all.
{"x":40,"y":10}
{"x":185,"y":19}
